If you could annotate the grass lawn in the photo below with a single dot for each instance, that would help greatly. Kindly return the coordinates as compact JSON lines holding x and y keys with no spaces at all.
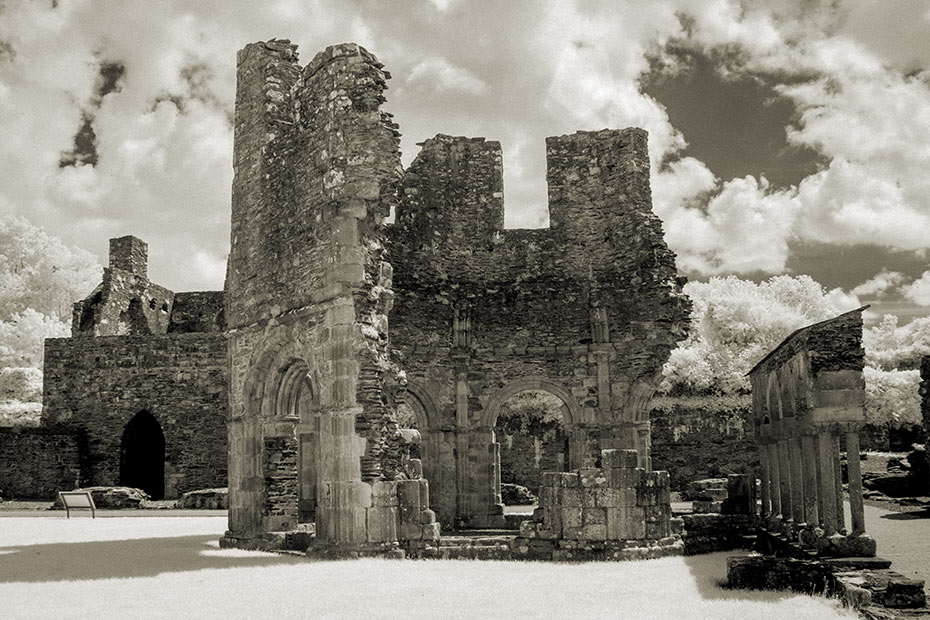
{"x":172,"y":567}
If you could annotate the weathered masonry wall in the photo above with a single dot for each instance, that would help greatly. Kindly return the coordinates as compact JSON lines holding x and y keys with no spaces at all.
{"x":98,"y":384}
{"x":311,"y":399}
{"x":587,"y":310}
{"x":605,"y":512}
{"x":36,"y":463}
{"x":806,"y":393}
{"x":695,"y":437}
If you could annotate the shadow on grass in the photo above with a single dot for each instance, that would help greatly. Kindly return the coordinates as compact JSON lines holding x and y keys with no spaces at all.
{"x":905,"y":516}
{"x":710,"y":576}
{"x":144,"y":557}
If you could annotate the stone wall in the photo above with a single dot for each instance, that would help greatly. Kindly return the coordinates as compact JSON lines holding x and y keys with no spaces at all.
{"x":587,"y":310}
{"x":200,"y":311}
{"x":696,"y":437}
{"x":36,"y":463}
{"x":608,"y":508}
{"x":98,"y":384}
{"x":126,"y":302}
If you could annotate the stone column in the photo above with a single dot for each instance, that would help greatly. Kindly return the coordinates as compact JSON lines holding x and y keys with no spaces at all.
{"x":797,"y":485}
{"x":246,"y":479}
{"x":855,"y":483}
{"x":809,"y":458}
{"x":827,"y":482}
{"x":775,"y":472}
{"x":642,"y":447}
{"x":838,"y":483}
{"x":785,"y":479}
{"x":463,"y":509}
{"x":764,"y":474}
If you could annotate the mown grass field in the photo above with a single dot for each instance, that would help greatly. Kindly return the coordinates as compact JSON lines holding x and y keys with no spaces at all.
{"x":171,"y":567}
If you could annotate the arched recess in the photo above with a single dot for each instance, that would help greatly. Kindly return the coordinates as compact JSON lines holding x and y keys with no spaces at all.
{"x":132,"y":321}
{"x":572,"y":411}
{"x":279,"y":364}
{"x":142,"y":455}
{"x":773,"y":397}
{"x":424,"y":406}
{"x":282,"y":394}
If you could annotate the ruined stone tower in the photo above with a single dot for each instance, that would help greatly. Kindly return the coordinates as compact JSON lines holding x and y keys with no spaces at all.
{"x":316,"y":171}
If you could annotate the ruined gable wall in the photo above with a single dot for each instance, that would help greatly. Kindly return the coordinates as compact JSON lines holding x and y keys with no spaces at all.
{"x":98,"y":385}
{"x":535,"y":288}
{"x":125,"y":302}
{"x":479,"y":308}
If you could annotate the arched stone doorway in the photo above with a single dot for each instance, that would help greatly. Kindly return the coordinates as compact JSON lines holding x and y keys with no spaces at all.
{"x":290,"y":446}
{"x":533,"y":439}
{"x":142,"y":455}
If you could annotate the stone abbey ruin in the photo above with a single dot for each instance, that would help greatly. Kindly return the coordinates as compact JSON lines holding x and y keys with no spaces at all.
{"x":315,"y":372}
{"x":287,"y":384}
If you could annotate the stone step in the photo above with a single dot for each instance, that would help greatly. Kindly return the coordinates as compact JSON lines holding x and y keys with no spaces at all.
{"x":471,"y":552}
{"x":483,"y":541}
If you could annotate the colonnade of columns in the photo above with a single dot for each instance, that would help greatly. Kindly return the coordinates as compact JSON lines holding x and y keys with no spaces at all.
{"x":802,"y":478}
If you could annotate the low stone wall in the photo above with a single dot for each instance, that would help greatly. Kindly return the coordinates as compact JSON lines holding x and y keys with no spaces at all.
{"x":37,"y":462}
{"x":865,"y":583}
{"x":710,"y":532}
{"x":602,"y":511}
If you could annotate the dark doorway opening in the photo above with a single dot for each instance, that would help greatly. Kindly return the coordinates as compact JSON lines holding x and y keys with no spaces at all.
{"x":142,"y":455}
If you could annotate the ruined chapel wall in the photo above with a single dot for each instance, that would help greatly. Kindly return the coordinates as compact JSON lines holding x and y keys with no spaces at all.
{"x":588,"y":309}
{"x":535,"y":288}
{"x":98,"y":385}
{"x":125,"y":302}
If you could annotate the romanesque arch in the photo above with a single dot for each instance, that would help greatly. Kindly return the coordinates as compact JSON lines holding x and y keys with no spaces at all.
{"x":571,"y":411}
{"x":424,"y":406}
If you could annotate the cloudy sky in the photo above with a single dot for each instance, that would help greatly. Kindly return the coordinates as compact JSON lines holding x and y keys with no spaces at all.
{"x":785,"y":136}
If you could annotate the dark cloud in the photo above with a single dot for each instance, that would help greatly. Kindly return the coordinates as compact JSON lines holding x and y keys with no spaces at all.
{"x":735,"y":124}
{"x":198,"y":85}
{"x":85,"y":140}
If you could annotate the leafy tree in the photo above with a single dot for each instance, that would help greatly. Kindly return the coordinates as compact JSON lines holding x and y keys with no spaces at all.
{"x":22,"y":337}
{"x":891,"y":397}
{"x":890,"y":347}
{"x":40,"y":277}
{"x":735,"y":322}
{"x":40,"y":272}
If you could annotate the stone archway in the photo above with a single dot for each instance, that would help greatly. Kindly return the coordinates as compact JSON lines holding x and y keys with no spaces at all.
{"x":142,"y":455}
{"x":572,"y":410}
{"x":290,"y":445}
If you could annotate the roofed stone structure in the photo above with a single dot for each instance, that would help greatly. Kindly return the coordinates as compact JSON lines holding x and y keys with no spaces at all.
{"x":808,"y":396}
